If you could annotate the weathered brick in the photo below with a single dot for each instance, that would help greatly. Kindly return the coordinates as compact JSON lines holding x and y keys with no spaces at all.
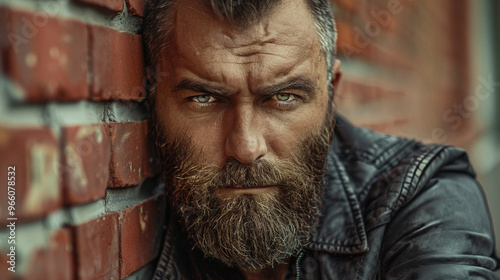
{"x":34,"y":154}
{"x":361,"y":92}
{"x":117,"y":65}
{"x":356,"y":42}
{"x":62,"y":252}
{"x":352,"y":42}
{"x":112,"y":5}
{"x":383,"y":17}
{"x":4,"y":266}
{"x":4,"y":24}
{"x":86,"y":156}
{"x":54,"y":262}
{"x":97,"y":248}
{"x":46,"y":56}
{"x":350,"y":5}
{"x":136,"y":7}
{"x":141,"y":233}
{"x":130,"y":153}
{"x":39,"y":268}
{"x":393,"y":126}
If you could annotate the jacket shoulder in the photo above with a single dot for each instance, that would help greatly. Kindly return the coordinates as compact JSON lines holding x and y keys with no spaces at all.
{"x":395,"y":189}
{"x":437,"y":222}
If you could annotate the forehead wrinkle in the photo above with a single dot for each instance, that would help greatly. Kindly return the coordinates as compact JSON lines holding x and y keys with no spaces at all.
{"x":266,"y":45}
{"x":269,"y":50}
{"x":257,"y":34}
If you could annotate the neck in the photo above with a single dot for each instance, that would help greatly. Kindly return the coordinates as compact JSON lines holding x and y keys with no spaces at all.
{"x":268,"y":273}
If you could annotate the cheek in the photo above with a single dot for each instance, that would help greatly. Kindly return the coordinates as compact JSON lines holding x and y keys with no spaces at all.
{"x":206,"y":137}
{"x":284,"y":138}
{"x":163,"y":111}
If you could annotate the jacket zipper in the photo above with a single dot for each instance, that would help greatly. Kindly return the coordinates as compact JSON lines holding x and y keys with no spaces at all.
{"x":297,"y":264}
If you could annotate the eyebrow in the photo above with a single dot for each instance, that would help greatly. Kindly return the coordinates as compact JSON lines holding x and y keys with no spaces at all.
{"x":188,"y":84}
{"x":300,"y":82}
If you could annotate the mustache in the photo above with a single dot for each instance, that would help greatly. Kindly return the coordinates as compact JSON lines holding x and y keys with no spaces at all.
{"x":178,"y":157}
{"x":208,"y":179}
{"x":260,"y":173}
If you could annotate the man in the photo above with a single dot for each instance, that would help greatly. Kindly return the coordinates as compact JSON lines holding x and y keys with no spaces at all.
{"x":267,"y":182}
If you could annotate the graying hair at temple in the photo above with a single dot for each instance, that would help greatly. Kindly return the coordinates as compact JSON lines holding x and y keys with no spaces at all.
{"x":159,"y":14}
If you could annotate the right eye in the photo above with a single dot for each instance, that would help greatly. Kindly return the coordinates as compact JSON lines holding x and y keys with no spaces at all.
{"x":203,"y":98}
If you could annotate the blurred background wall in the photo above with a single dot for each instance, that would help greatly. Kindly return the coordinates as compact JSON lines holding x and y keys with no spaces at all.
{"x":73,"y":120}
{"x":428,"y":70}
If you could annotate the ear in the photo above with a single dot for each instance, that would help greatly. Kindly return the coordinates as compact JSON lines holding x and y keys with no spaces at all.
{"x":336,"y":73}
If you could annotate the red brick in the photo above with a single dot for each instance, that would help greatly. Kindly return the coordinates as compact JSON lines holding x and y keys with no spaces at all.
{"x":112,"y":5}
{"x":4,"y":272}
{"x":61,"y":261}
{"x":345,"y":35}
{"x":54,"y":262}
{"x":97,"y":248}
{"x":39,"y":268}
{"x":354,"y":42}
{"x":86,"y":156}
{"x":46,"y":56}
{"x":141,"y":228}
{"x":34,"y":154}
{"x":117,"y":65}
{"x":390,"y":127}
{"x":130,"y":153}
{"x":350,"y":5}
{"x":4,"y":41}
{"x":365,"y":92}
{"x":136,"y":7}
{"x":382,"y":17}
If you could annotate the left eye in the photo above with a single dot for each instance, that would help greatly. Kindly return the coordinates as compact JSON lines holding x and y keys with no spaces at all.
{"x":284,"y":96}
{"x":202,"y":98}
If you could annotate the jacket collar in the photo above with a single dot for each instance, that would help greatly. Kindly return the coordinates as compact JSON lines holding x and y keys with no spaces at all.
{"x":356,"y":159}
{"x":341,"y":228}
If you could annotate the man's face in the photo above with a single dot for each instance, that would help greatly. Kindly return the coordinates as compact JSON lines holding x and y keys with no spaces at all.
{"x":243,"y":130}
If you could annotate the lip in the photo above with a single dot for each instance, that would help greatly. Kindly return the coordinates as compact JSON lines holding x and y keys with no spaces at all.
{"x":246,"y":190}
{"x":254,"y":187}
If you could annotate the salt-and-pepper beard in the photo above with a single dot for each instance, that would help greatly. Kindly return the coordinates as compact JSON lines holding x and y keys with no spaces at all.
{"x":247,"y":231}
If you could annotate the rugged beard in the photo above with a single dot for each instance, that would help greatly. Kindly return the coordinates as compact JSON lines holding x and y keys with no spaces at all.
{"x":247,"y":231}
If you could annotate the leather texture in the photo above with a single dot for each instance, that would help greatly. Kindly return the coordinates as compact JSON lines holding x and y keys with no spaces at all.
{"x":393,"y":209}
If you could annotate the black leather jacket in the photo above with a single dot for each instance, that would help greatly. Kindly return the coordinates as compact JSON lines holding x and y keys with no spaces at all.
{"x":394,"y":209}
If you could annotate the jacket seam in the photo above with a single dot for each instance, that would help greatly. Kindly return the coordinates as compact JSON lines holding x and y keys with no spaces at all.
{"x":432,"y":152}
{"x":361,"y":262}
{"x":358,"y":216}
{"x":405,"y":188}
{"x":387,"y":167}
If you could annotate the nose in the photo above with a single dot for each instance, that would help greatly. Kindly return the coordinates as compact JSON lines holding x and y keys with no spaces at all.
{"x":245,"y":141}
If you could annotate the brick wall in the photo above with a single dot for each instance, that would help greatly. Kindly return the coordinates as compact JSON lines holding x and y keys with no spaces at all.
{"x":406,"y":65}
{"x":74,"y":124}
{"x":73,"y":120}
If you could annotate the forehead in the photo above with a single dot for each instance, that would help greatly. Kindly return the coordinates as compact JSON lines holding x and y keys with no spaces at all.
{"x":285,"y":37}
{"x":194,"y":18}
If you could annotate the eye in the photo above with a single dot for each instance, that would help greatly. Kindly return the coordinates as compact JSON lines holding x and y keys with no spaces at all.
{"x":284,"y":96}
{"x":203,"y":98}
{"x":284,"y":101}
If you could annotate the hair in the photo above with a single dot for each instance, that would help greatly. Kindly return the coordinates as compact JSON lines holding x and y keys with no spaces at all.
{"x":159,"y":22}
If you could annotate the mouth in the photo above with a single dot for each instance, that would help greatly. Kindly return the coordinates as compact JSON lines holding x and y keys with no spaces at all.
{"x":238,"y":190}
